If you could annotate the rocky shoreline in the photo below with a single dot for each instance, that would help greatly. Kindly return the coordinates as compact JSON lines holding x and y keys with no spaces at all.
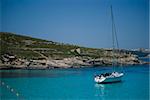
{"x":23,"y":52}
{"x":12,"y":62}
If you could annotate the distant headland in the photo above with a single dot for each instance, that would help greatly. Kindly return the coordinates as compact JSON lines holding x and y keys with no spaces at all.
{"x":23,"y":52}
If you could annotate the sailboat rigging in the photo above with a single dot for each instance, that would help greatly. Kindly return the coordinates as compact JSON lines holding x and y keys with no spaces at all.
{"x":112,"y":76}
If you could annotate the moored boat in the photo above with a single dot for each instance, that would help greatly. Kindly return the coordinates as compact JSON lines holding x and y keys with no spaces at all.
{"x":114,"y":76}
{"x":108,"y":77}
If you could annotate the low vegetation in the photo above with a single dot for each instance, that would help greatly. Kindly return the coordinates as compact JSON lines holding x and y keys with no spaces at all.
{"x":28,"y":49}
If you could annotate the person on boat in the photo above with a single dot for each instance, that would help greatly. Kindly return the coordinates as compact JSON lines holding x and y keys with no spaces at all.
{"x":107,"y":74}
{"x":102,"y":75}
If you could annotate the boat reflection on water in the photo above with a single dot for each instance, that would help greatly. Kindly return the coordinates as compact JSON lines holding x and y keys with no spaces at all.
{"x":100,"y":90}
{"x":103,"y":90}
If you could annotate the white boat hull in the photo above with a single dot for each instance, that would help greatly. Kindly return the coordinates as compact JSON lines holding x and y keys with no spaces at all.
{"x":109,"y":79}
{"x":112,"y":80}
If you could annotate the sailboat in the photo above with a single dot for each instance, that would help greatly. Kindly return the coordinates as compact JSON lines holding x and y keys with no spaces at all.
{"x":113,"y":76}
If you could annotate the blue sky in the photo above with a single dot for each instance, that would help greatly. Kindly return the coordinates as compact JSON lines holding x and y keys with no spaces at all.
{"x":81,"y":22}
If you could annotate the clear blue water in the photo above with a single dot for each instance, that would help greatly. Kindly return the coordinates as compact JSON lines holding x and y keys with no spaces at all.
{"x":74,"y":84}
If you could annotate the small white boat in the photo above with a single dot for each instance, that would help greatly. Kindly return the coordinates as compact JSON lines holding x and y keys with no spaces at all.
{"x":115,"y":76}
{"x":108,"y":77}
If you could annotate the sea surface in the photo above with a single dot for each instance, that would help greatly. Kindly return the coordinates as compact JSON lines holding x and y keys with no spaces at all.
{"x":74,"y":84}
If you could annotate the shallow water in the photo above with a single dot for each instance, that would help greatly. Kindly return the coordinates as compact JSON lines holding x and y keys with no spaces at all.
{"x":74,"y":84}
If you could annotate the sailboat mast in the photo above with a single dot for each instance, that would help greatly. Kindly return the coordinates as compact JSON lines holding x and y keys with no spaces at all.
{"x":113,"y":39}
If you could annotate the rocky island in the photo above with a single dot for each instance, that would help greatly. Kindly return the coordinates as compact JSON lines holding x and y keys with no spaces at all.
{"x":25,"y":52}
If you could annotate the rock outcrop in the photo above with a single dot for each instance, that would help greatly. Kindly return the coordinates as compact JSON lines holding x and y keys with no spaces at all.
{"x":19,"y":51}
{"x":10,"y":61}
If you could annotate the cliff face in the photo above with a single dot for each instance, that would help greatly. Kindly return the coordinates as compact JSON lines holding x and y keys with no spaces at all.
{"x":25,"y":52}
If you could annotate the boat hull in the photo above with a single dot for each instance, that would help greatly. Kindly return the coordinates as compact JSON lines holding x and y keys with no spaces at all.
{"x":111,"y":80}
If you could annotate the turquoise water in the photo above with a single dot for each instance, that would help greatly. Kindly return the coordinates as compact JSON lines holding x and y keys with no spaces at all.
{"x":74,"y":84}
